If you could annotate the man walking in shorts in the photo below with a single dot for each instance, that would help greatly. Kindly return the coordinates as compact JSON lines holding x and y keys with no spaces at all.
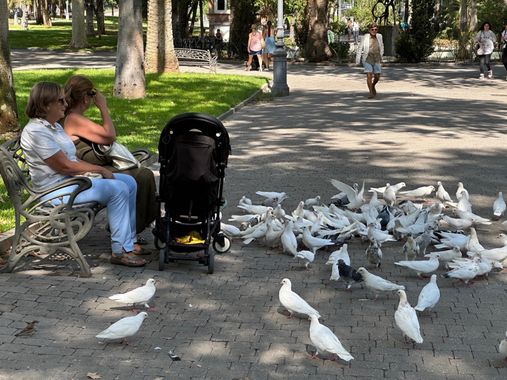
{"x":370,"y":52}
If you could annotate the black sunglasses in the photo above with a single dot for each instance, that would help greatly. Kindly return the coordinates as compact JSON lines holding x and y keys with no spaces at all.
{"x":61,"y":101}
{"x":373,"y":28}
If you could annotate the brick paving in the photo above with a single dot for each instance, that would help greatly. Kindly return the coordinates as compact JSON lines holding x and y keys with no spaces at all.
{"x":428,"y":124}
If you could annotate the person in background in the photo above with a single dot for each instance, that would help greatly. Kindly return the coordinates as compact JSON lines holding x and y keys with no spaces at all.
{"x":503,"y":45}
{"x":355,"y":31}
{"x":254,"y":47}
{"x":270,"y":44}
{"x":80,"y":95}
{"x":370,"y":52}
{"x":349,"y":28}
{"x":486,"y":40}
{"x":51,"y":158}
{"x":219,"y":43}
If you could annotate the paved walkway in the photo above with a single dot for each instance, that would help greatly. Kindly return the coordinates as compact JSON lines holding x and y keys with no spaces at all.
{"x":428,"y":124}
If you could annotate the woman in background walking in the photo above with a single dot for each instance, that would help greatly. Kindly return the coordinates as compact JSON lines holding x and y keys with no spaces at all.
{"x":270,"y":44}
{"x":503,"y":44}
{"x":486,"y":39}
{"x":254,"y":47}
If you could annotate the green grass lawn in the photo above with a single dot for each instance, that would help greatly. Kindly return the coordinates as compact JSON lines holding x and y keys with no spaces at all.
{"x":58,"y":36}
{"x":139,"y":122}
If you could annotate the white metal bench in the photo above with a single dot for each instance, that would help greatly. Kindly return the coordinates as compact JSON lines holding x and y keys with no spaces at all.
{"x":196,"y":57}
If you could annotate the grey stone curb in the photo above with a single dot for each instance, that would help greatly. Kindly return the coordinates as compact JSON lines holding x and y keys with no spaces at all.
{"x":248,"y":100}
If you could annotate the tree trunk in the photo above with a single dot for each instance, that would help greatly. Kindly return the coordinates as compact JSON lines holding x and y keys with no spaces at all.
{"x":78,"y":25}
{"x":160,"y":56}
{"x":317,"y":49}
{"x":89,"y":8}
{"x":473,"y":16}
{"x":129,"y":76}
{"x":38,"y":12}
{"x":180,"y":18}
{"x":8,"y":109}
{"x":99,"y":12}
{"x":46,"y":18}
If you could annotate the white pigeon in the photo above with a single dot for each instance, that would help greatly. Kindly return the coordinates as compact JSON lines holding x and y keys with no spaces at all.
{"x":459,"y":224}
{"x":377,"y":235}
{"x":502,"y":348}
{"x":476,"y":219}
{"x":293,"y":302}
{"x":420,"y":266}
{"x":279,"y":212}
{"x":138,"y":295}
{"x":375,"y":282}
{"x":464,"y":204}
{"x":499,"y":205}
{"x":389,"y":195}
{"x":442,"y":194}
{"x":230,"y":230}
{"x":272,"y":198}
{"x":420,"y":192}
{"x":314,"y":243}
{"x":447,"y":255}
{"x":461,"y":192}
{"x":380,"y":190}
{"x":406,"y":319}
{"x":495,"y":254}
{"x":325,"y":340}
{"x":473,"y":244}
{"x":123,"y":328}
{"x":429,"y":296}
{"x":254,"y":209}
{"x":288,"y":239}
{"x":341,"y":253}
{"x":307,"y":256}
{"x":245,"y":200}
{"x":312,"y":201}
{"x":355,"y":197}
{"x":335,"y":272}
{"x":465,"y":271}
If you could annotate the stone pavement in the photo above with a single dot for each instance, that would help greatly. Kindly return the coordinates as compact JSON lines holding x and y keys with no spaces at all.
{"x":428,"y":124}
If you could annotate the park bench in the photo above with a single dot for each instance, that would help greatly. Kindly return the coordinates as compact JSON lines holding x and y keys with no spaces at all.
{"x":196,"y":57}
{"x":47,"y":229}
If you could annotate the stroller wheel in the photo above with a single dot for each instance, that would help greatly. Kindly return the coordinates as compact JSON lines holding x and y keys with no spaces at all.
{"x":221,"y":243}
{"x":161,"y":259}
{"x":211,"y":261}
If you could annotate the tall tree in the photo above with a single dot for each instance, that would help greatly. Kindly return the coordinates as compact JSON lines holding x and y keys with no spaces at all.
{"x":129,"y":76}
{"x":243,"y":16}
{"x":8,"y":109}
{"x":160,"y":55}
{"x":78,"y":25}
{"x":99,"y":13}
{"x":316,"y":48}
{"x":90,"y":10}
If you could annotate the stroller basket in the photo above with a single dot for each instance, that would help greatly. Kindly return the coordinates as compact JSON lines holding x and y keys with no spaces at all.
{"x":193,"y":153}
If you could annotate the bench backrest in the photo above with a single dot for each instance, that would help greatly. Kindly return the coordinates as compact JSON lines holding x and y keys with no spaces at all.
{"x":193,"y":54}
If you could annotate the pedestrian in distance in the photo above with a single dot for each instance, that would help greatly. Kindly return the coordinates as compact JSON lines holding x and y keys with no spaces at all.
{"x":370,"y":52}
{"x":485,"y":40}
{"x":255,"y":42}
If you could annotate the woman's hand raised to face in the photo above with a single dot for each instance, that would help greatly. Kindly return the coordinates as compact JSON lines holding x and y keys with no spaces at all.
{"x":100,"y":100}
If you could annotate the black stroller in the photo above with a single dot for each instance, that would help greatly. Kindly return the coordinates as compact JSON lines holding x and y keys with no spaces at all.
{"x":193,"y":151}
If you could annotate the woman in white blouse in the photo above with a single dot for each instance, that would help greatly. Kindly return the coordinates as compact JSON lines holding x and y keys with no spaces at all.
{"x":485,"y":39}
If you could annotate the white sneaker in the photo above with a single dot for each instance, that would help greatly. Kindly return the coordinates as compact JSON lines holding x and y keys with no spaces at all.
{"x":490,"y":74}
{"x":481,"y":76}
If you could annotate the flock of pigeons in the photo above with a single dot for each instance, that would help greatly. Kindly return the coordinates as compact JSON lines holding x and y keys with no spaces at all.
{"x":409,"y":216}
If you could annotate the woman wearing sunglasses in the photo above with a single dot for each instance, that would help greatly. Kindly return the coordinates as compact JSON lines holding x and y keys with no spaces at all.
{"x":370,"y":52}
{"x":51,"y":157}
{"x":80,"y":95}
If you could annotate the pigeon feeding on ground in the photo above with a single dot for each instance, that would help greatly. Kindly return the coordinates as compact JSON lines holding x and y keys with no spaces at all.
{"x":307,"y":256}
{"x":374,"y":254}
{"x":377,"y":283}
{"x":123,"y":328}
{"x":293,"y":302}
{"x":29,"y":329}
{"x":420,"y":192}
{"x":410,"y":248}
{"x":137,"y":296}
{"x":406,"y":319}
{"x":314,"y":243}
{"x":420,"y":266}
{"x":429,"y":296}
{"x":325,"y":340}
